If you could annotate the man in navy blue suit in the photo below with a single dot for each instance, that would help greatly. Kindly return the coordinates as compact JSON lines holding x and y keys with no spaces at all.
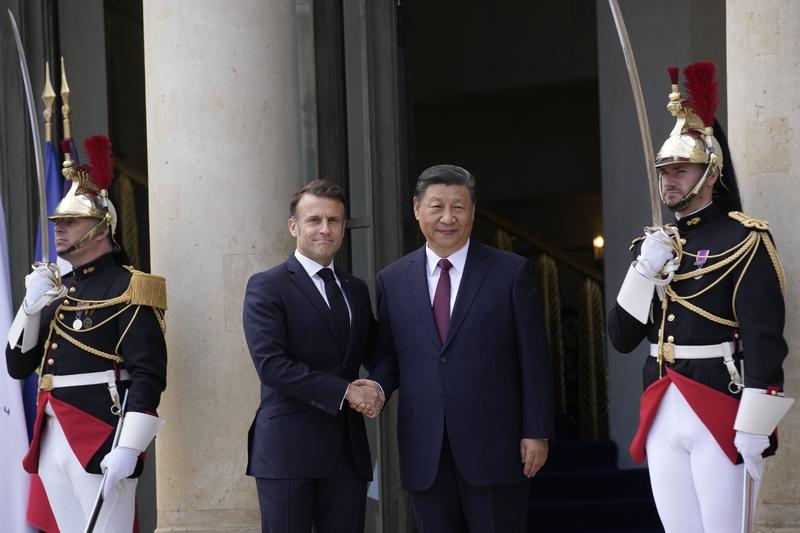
{"x":461,"y":335}
{"x":309,"y":327}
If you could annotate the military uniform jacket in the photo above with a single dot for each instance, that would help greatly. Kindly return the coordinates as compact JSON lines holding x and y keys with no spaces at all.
{"x":127,"y":329}
{"x":741,"y":301}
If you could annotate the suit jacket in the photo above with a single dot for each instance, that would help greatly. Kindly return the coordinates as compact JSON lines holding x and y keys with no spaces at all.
{"x":490,"y":381}
{"x":304,"y":372}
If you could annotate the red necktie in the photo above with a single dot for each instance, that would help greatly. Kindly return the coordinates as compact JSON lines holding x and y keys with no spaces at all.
{"x":441,"y":299}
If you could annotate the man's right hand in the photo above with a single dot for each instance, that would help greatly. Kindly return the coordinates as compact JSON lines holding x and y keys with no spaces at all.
{"x":366,"y":397}
{"x":656,"y":250}
{"x":40,"y":289}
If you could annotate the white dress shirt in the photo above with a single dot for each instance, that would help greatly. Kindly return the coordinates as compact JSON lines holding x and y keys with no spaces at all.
{"x":312,"y":268}
{"x":457,"y":259}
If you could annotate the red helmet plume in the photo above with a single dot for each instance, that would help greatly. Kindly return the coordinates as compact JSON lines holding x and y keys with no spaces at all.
{"x":703,"y":89}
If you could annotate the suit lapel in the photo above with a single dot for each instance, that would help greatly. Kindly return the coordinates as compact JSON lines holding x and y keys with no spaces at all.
{"x":355,"y":311}
{"x":301,"y":279}
{"x":418,"y":282}
{"x":474,"y":271}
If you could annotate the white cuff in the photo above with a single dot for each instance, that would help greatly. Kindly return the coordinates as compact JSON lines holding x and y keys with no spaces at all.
{"x":760,"y":413}
{"x":138,"y":430}
{"x":636,"y":294}
{"x":26,"y":326}
{"x":341,"y":404}
{"x":383,"y":395}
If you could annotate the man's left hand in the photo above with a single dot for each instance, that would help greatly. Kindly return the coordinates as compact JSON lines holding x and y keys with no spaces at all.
{"x":533,"y":453}
{"x":751,"y":446}
{"x":119,"y":463}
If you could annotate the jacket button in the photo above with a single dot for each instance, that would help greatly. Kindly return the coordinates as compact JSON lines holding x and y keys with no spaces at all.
{"x":72,"y":289}
{"x":443,"y":359}
{"x":670,"y":339}
{"x":671,"y":317}
{"x":61,"y":316}
{"x":51,"y":361}
{"x":53,"y":346}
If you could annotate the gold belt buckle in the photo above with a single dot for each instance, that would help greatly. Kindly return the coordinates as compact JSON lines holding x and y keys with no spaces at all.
{"x":46,"y":382}
{"x":668,"y":352}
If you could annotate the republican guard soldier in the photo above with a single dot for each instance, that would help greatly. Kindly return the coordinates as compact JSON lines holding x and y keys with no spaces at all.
{"x":707,"y":292}
{"x":91,"y":335}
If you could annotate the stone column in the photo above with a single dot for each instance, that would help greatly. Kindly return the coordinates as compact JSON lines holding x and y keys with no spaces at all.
{"x":763,"y":118}
{"x":223,"y":147}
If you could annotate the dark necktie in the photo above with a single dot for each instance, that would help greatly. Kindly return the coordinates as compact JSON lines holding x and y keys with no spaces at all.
{"x":337,"y":304}
{"x":441,"y":299}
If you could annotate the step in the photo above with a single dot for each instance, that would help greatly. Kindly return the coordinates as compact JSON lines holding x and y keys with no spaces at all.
{"x":573,"y":454}
{"x":622,"y":514}
{"x":590,"y":484}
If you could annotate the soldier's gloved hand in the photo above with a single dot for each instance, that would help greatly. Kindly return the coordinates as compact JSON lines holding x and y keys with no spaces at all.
{"x":40,"y":289}
{"x":751,"y":447}
{"x":119,"y":463}
{"x":656,"y":251}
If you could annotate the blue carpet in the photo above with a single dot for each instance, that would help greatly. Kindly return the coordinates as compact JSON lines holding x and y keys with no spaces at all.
{"x":581,"y":490}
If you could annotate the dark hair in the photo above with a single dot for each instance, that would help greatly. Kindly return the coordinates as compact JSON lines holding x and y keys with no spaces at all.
{"x":321,"y":188}
{"x":445,"y":175}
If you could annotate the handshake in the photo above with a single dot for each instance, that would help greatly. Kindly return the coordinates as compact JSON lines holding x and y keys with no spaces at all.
{"x":366,"y":397}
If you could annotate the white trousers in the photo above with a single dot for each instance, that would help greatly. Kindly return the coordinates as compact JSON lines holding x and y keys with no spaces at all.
{"x":72,"y":491}
{"x":696,"y":487}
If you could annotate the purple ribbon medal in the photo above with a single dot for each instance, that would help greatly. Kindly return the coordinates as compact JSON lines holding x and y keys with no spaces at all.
{"x":702,"y":257}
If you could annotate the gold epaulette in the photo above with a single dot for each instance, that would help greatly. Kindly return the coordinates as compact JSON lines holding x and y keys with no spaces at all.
{"x":147,"y":289}
{"x":749,"y":222}
{"x":633,"y":243}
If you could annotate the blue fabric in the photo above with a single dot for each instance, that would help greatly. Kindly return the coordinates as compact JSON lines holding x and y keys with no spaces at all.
{"x":54,"y":190}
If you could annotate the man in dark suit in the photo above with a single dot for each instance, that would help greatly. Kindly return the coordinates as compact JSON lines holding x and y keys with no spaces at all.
{"x":309,"y":327}
{"x":461,"y":335}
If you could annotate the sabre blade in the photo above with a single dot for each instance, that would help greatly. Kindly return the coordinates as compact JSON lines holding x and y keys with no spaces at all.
{"x":37,"y":142}
{"x":641,"y":111}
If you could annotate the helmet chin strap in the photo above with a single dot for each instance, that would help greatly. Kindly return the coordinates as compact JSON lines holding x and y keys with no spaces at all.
{"x":691,"y":194}
{"x":91,"y":234}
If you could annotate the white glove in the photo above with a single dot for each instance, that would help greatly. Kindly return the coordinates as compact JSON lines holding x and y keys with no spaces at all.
{"x":751,"y":447}
{"x":40,"y":289}
{"x":656,"y":250}
{"x":119,"y":463}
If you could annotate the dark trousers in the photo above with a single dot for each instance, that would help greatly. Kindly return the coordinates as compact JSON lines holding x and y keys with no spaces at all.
{"x":334,"y":504}
{"x":452,"y":505}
